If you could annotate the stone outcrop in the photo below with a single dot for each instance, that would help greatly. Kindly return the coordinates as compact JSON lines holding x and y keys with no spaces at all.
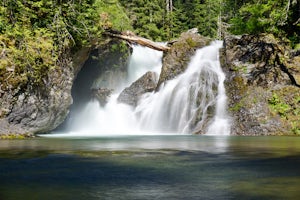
{"x":176,"y":60}
{"x":37,"y":109}
{"x":101,"y":95}
{"x":132,"y":94}
{"x":262,"y":85}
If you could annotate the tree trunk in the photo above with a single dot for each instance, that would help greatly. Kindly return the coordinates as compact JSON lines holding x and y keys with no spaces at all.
{"x":132,"y":38}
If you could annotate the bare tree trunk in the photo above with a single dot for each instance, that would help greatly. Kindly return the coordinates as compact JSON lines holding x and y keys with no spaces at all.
{"x":130,"y":37}
{"x":169,"y":9}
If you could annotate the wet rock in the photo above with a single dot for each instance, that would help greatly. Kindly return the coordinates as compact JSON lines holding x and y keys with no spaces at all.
{"x":132,"y":94}
{"x":102,"y":95}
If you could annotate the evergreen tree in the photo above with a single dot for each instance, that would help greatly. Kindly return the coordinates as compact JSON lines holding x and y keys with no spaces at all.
{"x":280,"y":17}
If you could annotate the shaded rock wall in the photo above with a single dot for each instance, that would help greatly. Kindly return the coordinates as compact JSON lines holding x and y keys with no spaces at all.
{"x":262,"y":85}
{"x":105,"y":67}
{"x":99,"y":75}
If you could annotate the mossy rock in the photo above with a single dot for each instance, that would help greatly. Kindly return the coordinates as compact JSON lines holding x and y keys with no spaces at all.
{"x":263,"y":97}
{"x":16,"y":136}
{"x":285,"y":102}
{"x":176,"y":60}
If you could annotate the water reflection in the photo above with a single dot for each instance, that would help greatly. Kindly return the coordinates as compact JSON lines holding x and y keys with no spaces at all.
{"x":211,"y":144}
{"x":151,"y":167}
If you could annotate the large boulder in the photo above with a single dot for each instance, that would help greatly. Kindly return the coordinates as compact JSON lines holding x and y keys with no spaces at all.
{"x":262,"y":85}
{"x":177,"y":58}
{"x":132,"y":94}
{"x":34,"y":109}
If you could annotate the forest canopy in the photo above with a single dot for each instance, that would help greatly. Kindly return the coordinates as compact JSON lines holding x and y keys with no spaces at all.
{"x":35,"y":35}
{"x":158,"y":20}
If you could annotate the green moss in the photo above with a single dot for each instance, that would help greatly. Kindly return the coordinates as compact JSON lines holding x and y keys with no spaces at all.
{"x":296,"y":128}
{"x":236,"y":107}
{"x":285,"y":103}
{"x":191,"y":42}
{"x":240,"y":69}
{"x":14,"y":136}
{"x":279,"y":106}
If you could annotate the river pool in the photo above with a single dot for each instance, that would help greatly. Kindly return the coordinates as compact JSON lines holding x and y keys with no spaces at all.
{"x":150,"y":167}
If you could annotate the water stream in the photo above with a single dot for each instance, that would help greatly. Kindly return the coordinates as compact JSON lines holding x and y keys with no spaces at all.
{"x":193,"y":102}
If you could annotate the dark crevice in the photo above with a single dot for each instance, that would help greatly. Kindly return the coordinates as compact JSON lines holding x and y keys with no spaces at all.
{"x":285,"y":70}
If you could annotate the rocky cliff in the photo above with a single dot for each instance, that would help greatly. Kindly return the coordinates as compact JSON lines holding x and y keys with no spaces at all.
{"x":263,"y":77}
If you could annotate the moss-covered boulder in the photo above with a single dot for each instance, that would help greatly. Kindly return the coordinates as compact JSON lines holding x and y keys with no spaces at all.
{"x":176,"y":60}
{"x":262,"y":85}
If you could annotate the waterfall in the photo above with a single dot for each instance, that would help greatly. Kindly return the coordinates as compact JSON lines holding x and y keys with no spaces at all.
{"x":193,"y":102}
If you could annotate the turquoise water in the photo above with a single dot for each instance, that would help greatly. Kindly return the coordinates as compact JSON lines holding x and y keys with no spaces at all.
{"x":151,"y":167}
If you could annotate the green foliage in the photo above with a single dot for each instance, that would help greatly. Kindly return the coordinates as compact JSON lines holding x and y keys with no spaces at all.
{"x":237,"y":106}
{"x":14,"y":136}
{"x":148,"y":17}
{"x":296,"y":128}
{"x":279,"y":17}
{"x":285,"y":103}
{"x":151,"y":19}
{"x":37,"y":35}
{"x":112,"y":15}
{"x":279,"y":106}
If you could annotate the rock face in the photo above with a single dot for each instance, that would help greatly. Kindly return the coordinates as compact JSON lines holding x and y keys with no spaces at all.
{"x":112,"y":60}
{"x":262,"y":85}
{"x":132,"y":94}
{"x":106,"y":67}
{"x":177,"y":58}
{"x":34,"y":110}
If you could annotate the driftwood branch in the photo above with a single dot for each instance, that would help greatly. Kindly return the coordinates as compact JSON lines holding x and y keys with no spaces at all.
{"x":132,"y":38}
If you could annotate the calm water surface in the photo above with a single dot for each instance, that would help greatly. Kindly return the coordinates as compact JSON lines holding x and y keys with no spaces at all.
{"x":151,"y":167}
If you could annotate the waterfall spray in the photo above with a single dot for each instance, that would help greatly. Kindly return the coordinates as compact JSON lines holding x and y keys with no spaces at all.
{"x":193,"y":102}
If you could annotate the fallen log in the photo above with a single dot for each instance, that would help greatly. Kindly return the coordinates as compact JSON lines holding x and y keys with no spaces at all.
{"x":132,"y":38}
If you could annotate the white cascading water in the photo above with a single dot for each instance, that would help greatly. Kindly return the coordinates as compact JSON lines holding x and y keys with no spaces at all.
{"x":193,"y":102}
{"x":186,"y":103}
